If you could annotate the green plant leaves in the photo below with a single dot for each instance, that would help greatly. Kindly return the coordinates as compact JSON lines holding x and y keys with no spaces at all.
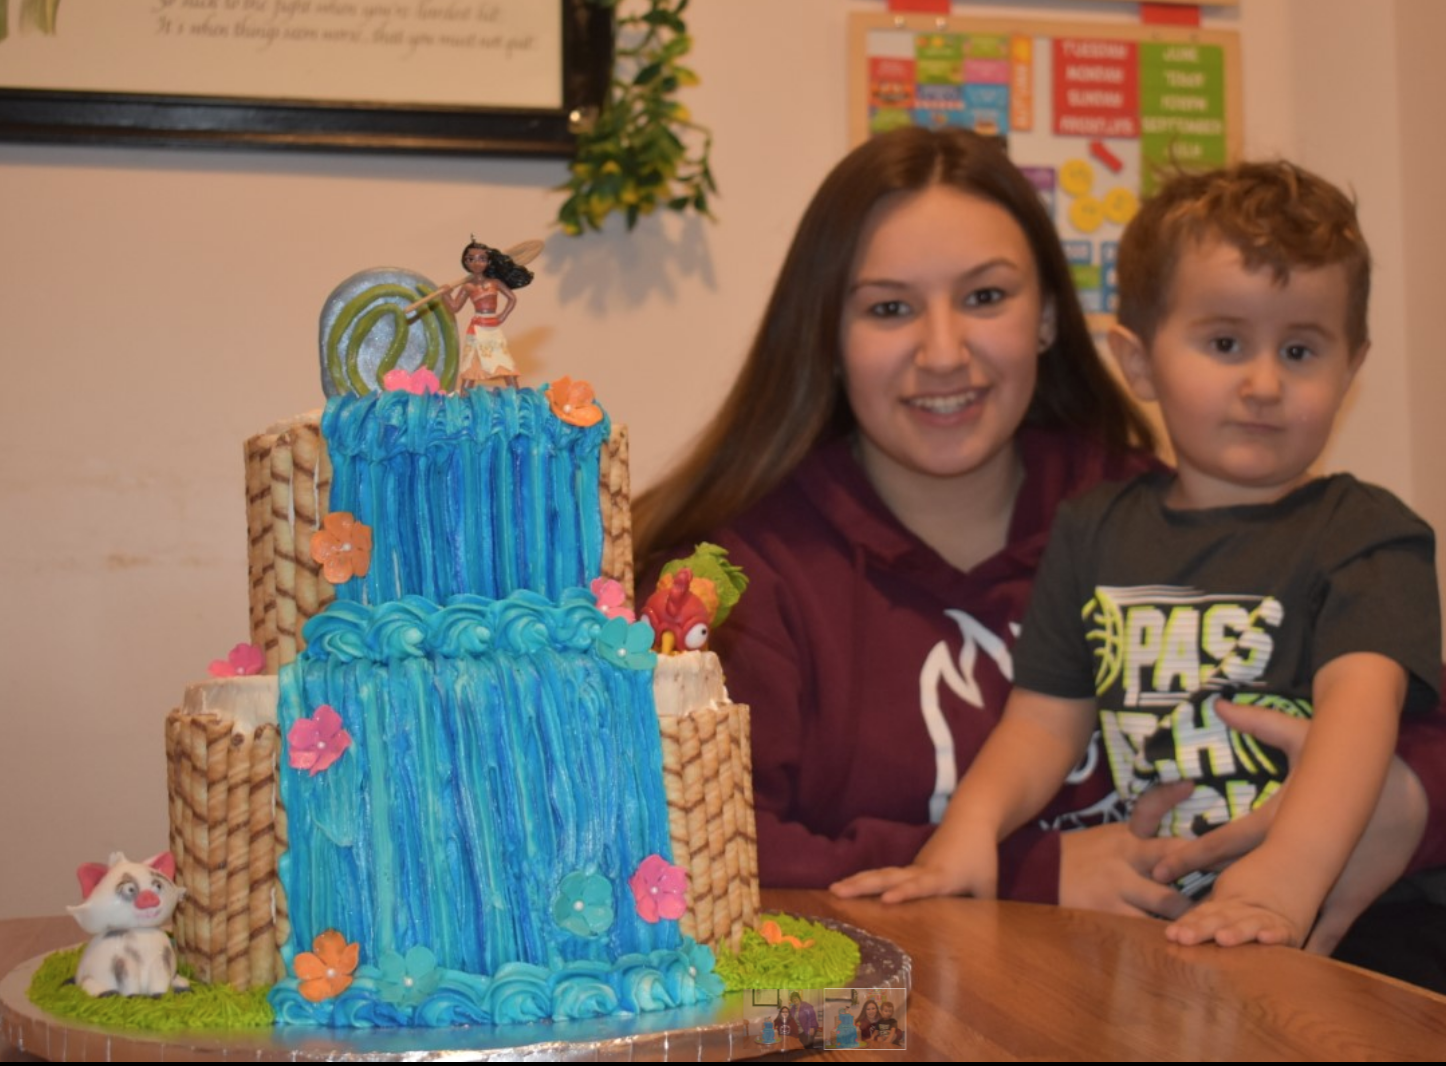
{"x":637,"y":155}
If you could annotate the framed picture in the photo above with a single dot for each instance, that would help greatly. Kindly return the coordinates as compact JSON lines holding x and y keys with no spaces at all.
{"x":509,"y":77}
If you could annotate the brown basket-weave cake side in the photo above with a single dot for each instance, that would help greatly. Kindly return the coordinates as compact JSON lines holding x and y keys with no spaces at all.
{"x":260,"y":546}
{"x":288,"y":481}
{"x":297,"y":483}
{"x":707,"y":774}
{"x":221,"y":779}
{"x":617,"y":514}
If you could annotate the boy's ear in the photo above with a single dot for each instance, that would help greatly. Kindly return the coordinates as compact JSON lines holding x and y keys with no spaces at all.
{"x":1133,"y":360}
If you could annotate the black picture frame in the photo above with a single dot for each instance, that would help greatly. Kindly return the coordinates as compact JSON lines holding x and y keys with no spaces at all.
{"x":49,"y":116}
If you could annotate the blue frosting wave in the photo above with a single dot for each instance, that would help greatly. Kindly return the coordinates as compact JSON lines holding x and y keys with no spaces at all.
{"x":483,"y":493}
{"x":465,"y":627}
{"x":517,"y":993}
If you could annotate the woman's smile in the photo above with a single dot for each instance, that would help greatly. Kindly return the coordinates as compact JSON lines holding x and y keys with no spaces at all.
{"x":946,"y":405}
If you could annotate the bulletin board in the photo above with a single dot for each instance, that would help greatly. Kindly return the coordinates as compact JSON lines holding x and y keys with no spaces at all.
{"x":1093,"y":113}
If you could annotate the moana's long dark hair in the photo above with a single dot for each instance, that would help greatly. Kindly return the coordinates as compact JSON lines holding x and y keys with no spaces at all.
{"x":789,"y":396}
{"x":500,"y":266}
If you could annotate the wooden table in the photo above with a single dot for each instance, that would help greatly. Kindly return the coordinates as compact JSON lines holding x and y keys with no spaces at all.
{"x":1009,"y":981}
{"x":1003,"y":981}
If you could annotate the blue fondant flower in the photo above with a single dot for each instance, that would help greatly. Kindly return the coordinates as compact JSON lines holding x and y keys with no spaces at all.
{"x":584,"y":904}
{"x":627,"y":646}
{"x":408,"y":981}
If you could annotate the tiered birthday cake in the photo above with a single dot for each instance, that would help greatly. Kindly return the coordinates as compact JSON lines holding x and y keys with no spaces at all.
{"x":461,"y":800}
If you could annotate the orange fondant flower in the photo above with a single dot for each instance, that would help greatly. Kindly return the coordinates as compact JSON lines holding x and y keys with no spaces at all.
{"x":572,"y":401}
{"x":325,"y":971}
{"x":343,"y":547}
{"x":774,"y":934}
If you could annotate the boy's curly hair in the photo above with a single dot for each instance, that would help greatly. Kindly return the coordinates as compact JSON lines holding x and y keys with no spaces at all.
{"x":1277,"y":215}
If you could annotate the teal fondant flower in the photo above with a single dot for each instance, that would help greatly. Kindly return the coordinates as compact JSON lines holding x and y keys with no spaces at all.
{"x":627,"y":646}
{"x":408,"y":981}
{"x":584,"y":904}
{"x":700,"y":962}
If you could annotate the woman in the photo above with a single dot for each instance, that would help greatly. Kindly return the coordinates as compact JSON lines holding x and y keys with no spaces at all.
{"x":921,"y":395}
{"x":868,"y":1018}
{"x":783,"y":1026}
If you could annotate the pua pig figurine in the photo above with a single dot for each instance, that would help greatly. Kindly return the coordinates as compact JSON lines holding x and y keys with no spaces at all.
{"x":126,"y":904}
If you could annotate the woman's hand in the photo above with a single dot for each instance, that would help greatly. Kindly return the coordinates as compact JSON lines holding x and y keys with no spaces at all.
{"x":964,"y":864}
{"x":1384,"y":851}
{"x":1109,"y":867}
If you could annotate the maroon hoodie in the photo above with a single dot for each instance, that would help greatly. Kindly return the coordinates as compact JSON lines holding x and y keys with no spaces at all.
{"x":875,"y":671}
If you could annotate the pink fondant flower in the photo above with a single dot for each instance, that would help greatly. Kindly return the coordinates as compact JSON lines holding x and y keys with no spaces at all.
{"x":244,"y":660}
{"x":343,"y":547}
{"x":419,"y":382}
{"x":572,"y":401}
{"x":315,"y":743}
{"x":660,"y":889}
{"x":610,"y":598}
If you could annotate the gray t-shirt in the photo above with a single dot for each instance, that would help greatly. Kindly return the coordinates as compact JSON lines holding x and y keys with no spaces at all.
{"x":1156,"y":613}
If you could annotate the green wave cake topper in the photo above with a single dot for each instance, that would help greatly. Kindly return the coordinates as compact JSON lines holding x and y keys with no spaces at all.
{"x":365,"y":332}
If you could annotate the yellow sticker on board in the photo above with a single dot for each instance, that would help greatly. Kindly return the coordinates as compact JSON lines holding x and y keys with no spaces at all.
{"x":1076,"y":177}
{"x":1121,"y":205}
{"x":1086,"y":214}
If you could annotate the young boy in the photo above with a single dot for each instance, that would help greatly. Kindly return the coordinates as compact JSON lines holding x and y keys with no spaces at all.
{"x":1239,"y":577}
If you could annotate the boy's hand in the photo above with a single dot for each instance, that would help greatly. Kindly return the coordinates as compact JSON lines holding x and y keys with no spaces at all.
{"x":969,"y":868}
{"x":1250,"y":903}
{"x":1383,"y":854}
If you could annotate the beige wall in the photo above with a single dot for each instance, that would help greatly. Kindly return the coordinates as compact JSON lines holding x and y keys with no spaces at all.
{"x":1420,"y":27}
{"x":159,"y":306}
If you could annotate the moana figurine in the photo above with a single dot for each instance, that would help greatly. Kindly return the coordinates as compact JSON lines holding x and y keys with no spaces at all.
{"x":489,"y":284}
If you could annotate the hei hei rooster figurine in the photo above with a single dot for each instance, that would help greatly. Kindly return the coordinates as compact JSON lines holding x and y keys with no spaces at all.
{"x":693,"y":596}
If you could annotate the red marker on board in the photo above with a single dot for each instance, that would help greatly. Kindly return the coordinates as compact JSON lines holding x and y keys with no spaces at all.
{"x":1105,"y":156}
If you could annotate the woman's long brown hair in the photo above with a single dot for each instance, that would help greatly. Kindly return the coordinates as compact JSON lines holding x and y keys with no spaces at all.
{"x":789,"y":396}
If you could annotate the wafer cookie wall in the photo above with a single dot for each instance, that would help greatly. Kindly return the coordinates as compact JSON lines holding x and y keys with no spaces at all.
{"x":288,"y":478}
{"x":221,"y":752}
{"x":708,"y":777}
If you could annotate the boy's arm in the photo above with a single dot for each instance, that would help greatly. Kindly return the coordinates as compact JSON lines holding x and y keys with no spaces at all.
{"x":1021,"y":765}
{"x":1273,"y":894}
